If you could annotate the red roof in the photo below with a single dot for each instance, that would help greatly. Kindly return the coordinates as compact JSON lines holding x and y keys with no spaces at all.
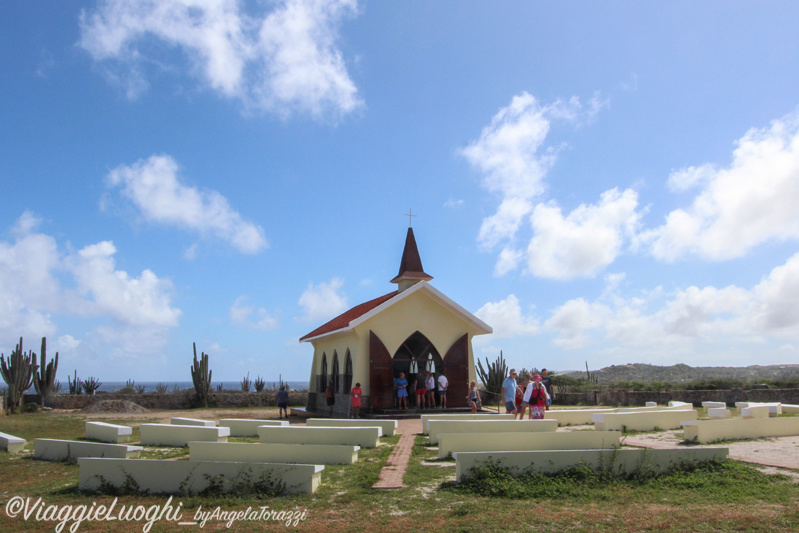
{"x":343,"y":320}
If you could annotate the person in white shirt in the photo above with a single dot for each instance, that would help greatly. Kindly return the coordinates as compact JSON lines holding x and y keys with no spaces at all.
{"x":443,"y":383}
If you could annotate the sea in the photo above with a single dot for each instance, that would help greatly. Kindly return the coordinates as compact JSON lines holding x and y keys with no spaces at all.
{"x":111,"y":386}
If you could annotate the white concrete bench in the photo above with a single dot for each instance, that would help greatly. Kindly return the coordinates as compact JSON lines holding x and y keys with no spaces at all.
{"x":389,"y":427}
{"x":574,"y":417}
{"x":175,"y":477}
{"x":108,"y":432}
{"x":546,"y":440}
{"x":169,"y":435}
{"x":320,"y":454}
{"x":651,"y":404}
{"x":790,"y":409}
{"x":248,"y":427}
{"x":463,"y":416}
{"x":365,"y":437}
{"x":718,"y":412}
{"x":679,"y":405}
{"x":755,"y":411}
{"x":63,"y":450}
{"x":707,"y":431}
{"x":180,"y":421}
{"x":643,"y":421}
{"x":10,"y":443}
{"x":488,"y":426}
{"x":621,"y":461}
{"x":714,"y":405}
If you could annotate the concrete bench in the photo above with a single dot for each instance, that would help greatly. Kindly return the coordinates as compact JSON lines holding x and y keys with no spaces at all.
{"x":755,"y":411}
{"x":545,"y":440}
{"x":718,"y":412}
{"x":389,"y":427}
{"x":108,"y":432}
{"x":169,"y":435}
{"x":643,"y":421}
{"x":790,"y":409}
{"x":707,"y":431}
{"x":623,"y":461}
{"x":714,"y":405}
{"x":678,"y":405}
{"x":63,"y":450}
{"x":463,"y":416}
{"x":775,"y":408}
{"x":651,"y":404}
{"x":320,"y":454}
{"x":10,"y":443}
{"x":248,"y":427}
{"x":365,"y":437}
{"x":488,"y":426}
{"x":180,"y":421}
{"x":574,"y":417}
{"x":179,"y":477}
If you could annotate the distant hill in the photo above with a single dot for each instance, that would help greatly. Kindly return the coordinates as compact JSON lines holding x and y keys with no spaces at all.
{"x":684,"y":373}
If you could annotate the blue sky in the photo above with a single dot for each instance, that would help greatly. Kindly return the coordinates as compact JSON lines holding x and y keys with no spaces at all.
{"x":605,"y":182}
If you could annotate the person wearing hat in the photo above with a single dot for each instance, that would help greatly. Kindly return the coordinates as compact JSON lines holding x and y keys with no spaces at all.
{"x":509,"y":392}
{"x":536,"y":397}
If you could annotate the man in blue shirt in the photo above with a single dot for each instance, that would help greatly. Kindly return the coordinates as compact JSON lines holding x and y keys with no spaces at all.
{"x":509,"y":392}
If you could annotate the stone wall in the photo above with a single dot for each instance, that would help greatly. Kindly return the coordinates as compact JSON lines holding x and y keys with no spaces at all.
{"x":616,"y":397}
{"x":185,"y":399}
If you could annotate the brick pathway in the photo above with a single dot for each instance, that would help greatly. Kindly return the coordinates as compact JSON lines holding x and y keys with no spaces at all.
{"x":392,"y":474}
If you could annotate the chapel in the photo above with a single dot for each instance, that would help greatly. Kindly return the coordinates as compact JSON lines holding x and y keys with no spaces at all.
{"x":413,"y":329}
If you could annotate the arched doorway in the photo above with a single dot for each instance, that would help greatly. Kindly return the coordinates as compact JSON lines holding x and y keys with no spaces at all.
{"x":415,"y":356}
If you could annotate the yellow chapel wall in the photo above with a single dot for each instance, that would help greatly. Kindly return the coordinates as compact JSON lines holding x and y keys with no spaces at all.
{"x":418,"y":311}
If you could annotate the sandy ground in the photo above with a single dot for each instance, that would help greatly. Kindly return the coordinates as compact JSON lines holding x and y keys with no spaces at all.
{"x":164,"y":416}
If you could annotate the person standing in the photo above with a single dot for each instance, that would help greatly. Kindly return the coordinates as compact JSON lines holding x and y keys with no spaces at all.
{"x":355,"y":397}
{"x":330,"y":397}
{"x":443,"y":383}
{"x":421,"y":389}
{"x":509,"y":392}
{"x":536,"y":397}
{"x":283,"y":401}
{"x":546,"y":381}
{"x":521,"y":405}
{"x":431,"y":390}
{"x":473,"y":397}
{"x":402,"y":391}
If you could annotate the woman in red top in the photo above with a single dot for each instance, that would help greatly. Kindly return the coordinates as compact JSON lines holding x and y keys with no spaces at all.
{"x":536,"y":396}
{"x":355,"y":397}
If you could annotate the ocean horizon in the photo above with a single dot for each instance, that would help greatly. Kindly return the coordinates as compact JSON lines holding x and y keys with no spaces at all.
{"x":112,"y":386}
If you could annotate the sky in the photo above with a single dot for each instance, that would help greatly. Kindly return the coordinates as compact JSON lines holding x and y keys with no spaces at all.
{"x":602,"y":183}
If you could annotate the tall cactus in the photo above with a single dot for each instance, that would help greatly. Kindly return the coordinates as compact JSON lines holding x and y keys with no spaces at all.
{"x":493,"y":377}
{"x":44,"y":381}
{"x":18,"y":374}
{"x":201,"y":376}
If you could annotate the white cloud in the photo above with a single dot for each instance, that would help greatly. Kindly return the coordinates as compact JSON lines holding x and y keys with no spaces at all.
{"x":138,"y":310}
{"x":586,"y":240}
{"x":154,"y":188}
{"x":507,"y":319}
{"x":738,"y":207}
{"x":283,"y":61}
{"x":686,"y":318}
{"x":250,"y":317}
{"x":324,"y":301}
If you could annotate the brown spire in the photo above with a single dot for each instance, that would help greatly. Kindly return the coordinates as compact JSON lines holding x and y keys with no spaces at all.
{"x":410,"y":270}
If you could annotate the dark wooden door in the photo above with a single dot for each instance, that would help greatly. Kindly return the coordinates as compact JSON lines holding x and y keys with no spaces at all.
{"x":381,"y":382}
{"x":456,"y":369}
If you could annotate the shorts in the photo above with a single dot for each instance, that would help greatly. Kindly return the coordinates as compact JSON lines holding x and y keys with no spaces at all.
{"x":419,"y":392}
{"x":510,"y":406}
{"x":282,"y":405}
{"x":402,"y":393}
{"x":442,"y":393}
{"x":331,"y":401}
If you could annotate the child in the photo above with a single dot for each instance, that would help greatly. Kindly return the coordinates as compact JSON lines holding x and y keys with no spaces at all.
{"x":473,"y":396}
{"x":355,"y":396}
{"x":283,"y":401}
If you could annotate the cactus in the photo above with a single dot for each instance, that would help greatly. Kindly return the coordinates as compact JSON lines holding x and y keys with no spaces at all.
{"x":18,"y":374}
{"x":76,"y":385}
{"x":246,"y":383}
{"x":492,"y":378}
{"x":161,"y":388}
{"x":201,"y":377}
{"x":90,"y":385}
{"x":259,"y":384}
{"x":44,"y":381}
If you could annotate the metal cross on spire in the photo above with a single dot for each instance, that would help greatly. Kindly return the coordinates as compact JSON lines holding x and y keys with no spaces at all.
{"x":410,"y":214}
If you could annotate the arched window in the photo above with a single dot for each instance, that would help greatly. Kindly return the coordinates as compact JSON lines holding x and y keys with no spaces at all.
{"x":323,"y":375}
{"x":336,"y":375}
{"x":348,"y":373}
